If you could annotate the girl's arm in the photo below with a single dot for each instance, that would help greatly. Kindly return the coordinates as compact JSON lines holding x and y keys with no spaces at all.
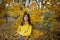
{"x":19,"y":29}
{"x":28,"y":32}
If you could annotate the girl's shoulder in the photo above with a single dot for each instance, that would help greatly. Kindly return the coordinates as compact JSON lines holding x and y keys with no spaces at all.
{"x":20,"y":26}
{"x":30,"y":25}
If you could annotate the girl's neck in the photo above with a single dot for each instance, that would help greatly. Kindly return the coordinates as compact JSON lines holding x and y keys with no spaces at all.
{"x":26,"y":22}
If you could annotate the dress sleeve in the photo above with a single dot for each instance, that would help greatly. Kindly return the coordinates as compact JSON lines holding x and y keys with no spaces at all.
{"x":19,"y":29}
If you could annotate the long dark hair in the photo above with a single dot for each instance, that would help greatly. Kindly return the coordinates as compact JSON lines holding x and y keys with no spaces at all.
{"x":22,"y":22}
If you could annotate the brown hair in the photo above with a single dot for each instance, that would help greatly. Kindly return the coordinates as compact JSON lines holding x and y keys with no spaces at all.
{"x":22,"y":22}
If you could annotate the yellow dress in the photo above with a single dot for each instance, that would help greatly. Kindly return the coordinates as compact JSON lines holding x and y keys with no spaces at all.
{"x":26,"y":28}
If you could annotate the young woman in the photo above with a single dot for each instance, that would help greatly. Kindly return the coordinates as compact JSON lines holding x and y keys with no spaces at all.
{"x":25,"y":28}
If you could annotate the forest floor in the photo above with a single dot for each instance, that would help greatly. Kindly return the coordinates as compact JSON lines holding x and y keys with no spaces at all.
{"x":6,"y":33}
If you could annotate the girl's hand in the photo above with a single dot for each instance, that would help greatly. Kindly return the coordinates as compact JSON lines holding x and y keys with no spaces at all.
{"x":22,"y":32}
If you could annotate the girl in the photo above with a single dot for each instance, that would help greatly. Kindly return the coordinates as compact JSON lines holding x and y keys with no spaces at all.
{"x":24,"y":30}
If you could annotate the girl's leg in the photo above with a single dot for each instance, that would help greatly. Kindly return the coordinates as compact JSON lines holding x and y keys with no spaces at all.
{"x":21,"y":38}
{"x":25,"y":38}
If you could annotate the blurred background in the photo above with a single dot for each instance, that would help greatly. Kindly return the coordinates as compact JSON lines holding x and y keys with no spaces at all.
{"x":44,"y":14}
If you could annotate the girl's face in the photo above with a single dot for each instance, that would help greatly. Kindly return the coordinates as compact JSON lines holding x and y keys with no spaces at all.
{"x":25,"y":18}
